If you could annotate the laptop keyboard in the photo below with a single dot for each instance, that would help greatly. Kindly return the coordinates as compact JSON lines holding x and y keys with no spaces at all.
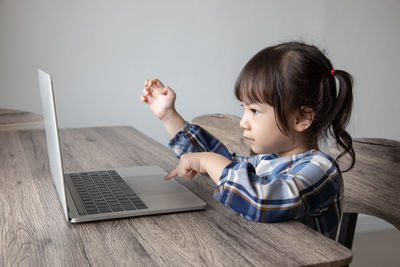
{"x":103,"y":192}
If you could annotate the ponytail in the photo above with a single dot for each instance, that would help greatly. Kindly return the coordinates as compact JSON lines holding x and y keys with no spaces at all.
{"x":340,"y":115}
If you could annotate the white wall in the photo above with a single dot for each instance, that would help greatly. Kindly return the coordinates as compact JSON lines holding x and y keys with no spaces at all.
{"x":364,"y":37}
{"x":100,"y":52}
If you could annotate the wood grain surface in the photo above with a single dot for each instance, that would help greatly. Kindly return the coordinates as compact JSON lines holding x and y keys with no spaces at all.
{"x":373,"y":186}
{"x":14,"y":120}
{"x":34,"y":231}
{"x":226,"y":128}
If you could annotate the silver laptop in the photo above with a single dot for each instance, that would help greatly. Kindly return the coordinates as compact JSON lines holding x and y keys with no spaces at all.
{"x":108,"y":194}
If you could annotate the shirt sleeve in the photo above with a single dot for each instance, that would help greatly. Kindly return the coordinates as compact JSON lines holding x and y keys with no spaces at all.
{"x":193,"y":138}
{"x":308,"y":187}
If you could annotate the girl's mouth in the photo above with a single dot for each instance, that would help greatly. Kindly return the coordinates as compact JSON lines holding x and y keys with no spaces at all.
{"x":249,"y":139}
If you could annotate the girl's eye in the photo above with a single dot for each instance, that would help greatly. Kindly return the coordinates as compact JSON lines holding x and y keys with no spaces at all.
{"x":254,"y":111}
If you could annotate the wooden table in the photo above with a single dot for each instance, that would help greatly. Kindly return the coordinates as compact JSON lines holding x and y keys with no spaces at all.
{"x":14,"y":120}
{"x":34,"y":231}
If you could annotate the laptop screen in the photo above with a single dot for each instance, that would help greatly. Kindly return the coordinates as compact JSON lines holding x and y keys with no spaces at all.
{"x":52,"y":138}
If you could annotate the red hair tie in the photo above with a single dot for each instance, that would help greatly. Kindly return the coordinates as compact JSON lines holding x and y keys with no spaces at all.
{"x":332,"y":72}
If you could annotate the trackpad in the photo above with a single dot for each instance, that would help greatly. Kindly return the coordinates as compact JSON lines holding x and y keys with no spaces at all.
{"x":158,"y":194}
{"x":154,"y":185}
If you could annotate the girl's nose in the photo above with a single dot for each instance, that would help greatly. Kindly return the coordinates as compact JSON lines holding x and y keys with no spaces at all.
{"x":244,"y":123}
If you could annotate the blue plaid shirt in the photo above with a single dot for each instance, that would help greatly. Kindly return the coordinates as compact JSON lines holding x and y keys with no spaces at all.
{"x":307,"y":187}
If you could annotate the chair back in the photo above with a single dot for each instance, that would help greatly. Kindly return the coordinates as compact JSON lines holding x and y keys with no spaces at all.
{"x":226,"y":128}
{"x":372,"y":186}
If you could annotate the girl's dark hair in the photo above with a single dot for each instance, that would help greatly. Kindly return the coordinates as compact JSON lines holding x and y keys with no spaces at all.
{"x":293,"y":75}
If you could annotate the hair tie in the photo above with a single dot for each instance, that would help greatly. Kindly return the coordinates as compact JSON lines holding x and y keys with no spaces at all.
{"x":332,"y":72}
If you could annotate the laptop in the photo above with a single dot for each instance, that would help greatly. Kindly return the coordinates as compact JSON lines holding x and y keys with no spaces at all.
{"x":109,"y":193}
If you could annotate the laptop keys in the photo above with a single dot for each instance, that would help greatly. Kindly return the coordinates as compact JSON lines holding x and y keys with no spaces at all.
{"x":116,"y":207}
{"x":105,"y":191}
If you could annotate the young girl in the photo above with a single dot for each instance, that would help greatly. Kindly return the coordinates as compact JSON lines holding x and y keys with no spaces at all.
{"x":291,"y":96}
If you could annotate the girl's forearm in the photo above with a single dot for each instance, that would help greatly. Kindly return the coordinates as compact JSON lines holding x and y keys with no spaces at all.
{"x":213,"y":164}
{"x":173,"y":122}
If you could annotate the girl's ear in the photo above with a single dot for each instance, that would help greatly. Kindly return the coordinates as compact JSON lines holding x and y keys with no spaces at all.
{"x":303,"y":118}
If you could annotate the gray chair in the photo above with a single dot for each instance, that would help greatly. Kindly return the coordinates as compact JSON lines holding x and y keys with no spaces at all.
{"x":372,"y":187}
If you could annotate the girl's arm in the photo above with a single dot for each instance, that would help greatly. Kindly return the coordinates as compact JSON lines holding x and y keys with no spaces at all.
{"x":193,"y":138}
{"x":204,"y":162}
{"x":185,"y":137}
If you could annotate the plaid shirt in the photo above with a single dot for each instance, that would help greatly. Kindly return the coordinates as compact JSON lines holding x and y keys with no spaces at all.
{"x":307,"y":187}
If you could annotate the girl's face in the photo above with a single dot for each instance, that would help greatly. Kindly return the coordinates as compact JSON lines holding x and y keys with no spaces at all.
{"x":261,"y":130}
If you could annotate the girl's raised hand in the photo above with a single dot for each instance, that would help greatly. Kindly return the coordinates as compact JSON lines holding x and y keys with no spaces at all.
{"x":160,"y":98}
